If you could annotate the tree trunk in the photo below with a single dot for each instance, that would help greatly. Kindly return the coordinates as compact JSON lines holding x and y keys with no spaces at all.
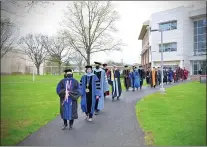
{"x":88,"y":58}
{"x":59,"y":68}
{"x":38,"y":69}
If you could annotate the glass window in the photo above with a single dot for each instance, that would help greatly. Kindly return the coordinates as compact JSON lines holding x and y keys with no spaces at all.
{"x":195,"y":31}
{"x":200,"y":23}
{"x":195,"y":45}
{"x":168,"y":47}
{"x":195,"y":24}
{"x":195,"y":38}
{"x":201,"y":30}
{"x":204,"y":22}
{"x":168,"y":26}
{"x":201,"y":38}
{"x":201,"y":45}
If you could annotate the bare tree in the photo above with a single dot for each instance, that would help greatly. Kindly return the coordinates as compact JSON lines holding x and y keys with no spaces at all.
{"x":58,"y":50}
{"x":8,"y":36}
{"x":88,"y":26}
{"x":79,"y":61}
{"x":34,"y":47}
{"x":21,"y":8}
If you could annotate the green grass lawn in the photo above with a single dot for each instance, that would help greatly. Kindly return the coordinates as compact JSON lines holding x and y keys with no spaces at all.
{"x":177,"y":118}
{"x":27,"y":105}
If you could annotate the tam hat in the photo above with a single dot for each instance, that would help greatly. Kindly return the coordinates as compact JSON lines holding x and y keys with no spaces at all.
{"x":104,"y":64}
{"x":125,"y":66}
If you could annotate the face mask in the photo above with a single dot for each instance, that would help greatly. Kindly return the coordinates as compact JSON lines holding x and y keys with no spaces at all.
{"x":97,"y":67}
{"x":69,"y":75}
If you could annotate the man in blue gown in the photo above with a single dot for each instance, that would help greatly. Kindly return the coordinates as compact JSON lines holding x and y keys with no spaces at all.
{"x":69,"y":92}
{"x":135,"y":78}
{"x":90,"y":87}
{"x":100,"y":73}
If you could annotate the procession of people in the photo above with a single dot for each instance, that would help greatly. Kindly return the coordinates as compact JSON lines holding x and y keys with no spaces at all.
{"x":94,"y":87}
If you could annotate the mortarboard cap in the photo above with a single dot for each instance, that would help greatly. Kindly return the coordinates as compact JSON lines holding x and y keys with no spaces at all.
{"x":104,"y":64}
{"x":97,"y":63}
{"x":67,"y":71}
{"x":125,"y":66}
{"x":88,"y":66}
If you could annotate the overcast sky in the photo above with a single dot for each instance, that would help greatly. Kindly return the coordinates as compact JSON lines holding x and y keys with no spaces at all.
{"x":132,"y":13}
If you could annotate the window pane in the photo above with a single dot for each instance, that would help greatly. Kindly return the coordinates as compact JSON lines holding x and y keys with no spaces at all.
{"x":201,"y":38}
{"x":195,"y":45}
{"x":204,"y":22}
{"x":200,"y":23}
{"x":195,"y":67}
{"x":161,"y":26}
{"x":195,"y":31}
{"x":173,"y":49}
{"x":195,"y":24}
{"x":201,"y":30}
{"x":201,"y":45}
{"x":195,"y":38}
{"x":174,"y":25}
{"x":204,"y":30}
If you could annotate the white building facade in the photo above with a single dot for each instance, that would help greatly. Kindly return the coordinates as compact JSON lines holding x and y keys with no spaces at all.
{"x":184,"y":38}
{"x":15,"y":62}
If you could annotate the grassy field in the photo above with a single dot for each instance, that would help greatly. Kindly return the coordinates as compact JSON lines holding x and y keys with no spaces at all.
{"x":177,"y":118}
{"x":27,"y":105}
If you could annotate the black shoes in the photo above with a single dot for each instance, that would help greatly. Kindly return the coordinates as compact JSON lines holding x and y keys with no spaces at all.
{"x":64,"y":127}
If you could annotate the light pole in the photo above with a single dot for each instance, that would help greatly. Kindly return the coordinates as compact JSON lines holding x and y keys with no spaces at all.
{"x":162,"y":89}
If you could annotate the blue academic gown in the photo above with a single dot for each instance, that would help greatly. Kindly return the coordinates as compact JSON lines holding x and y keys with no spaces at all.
{"x":104,"y":87}
{"x":170,"y":75}
{"x":135,"y":79}
{"x":70,"y":105}
{"x":95,"y":92}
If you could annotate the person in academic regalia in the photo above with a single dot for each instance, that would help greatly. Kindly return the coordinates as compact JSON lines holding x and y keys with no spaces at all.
{"x":90,"y":87}
{"x":170,"y":75}
{"x":159,"y":75}
{"x":107,"y":71}
{"x":175,"y":75}
{"x":127,"y":81}
{"x":179,"y":73}
{"x":115,"y":82}
{"x":185,"y":74}
{"x":165,"y":75}
{"x":101,"y":74}
{"x":69,"y":91}
{"x":135,"y":78}
{"x":148,"y":76}
{"x":153,"y":77}
{"x":142,"y":75}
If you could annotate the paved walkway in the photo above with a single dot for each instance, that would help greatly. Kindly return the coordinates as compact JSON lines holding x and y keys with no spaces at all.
{"x":115,"y":126}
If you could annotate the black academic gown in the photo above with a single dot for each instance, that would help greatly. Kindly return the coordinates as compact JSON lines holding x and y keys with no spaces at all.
{"x":127,"y":81}
{"x":116,"y":84}
{"x":141,"y":73}
{"x":148,"y":77}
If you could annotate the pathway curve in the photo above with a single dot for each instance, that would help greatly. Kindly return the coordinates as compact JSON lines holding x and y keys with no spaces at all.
{"x":115,"y":126}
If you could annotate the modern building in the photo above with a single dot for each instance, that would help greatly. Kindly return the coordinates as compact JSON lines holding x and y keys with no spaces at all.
{"x":184,"y":38}
{"x":145,"y":53}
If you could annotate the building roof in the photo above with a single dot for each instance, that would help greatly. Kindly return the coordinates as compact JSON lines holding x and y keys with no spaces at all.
{"x":143,"y":30}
